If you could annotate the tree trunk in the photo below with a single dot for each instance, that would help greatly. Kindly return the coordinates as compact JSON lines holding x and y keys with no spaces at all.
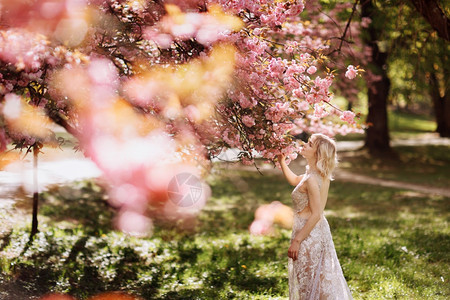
{"x":34,"y":221}
{"x":441,"y":107}
{"x":377,"y":135}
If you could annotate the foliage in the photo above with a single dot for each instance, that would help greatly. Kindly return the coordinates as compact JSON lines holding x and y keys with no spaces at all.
{"x":415,"y":51}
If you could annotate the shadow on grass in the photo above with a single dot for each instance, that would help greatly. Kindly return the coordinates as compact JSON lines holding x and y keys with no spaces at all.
{"x":54,"y":264}
{"x":81,"y":203}
{"x":6,"y":239}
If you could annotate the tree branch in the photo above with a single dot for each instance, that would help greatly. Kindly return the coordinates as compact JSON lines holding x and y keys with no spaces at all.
{"x":348,"y":25}
{"x":435,"y":16}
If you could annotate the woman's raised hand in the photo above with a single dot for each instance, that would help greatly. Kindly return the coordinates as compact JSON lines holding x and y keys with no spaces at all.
{"x":281,"y":157}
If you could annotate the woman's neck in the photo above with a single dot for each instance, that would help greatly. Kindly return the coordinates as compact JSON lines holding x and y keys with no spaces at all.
{"x":312,"y":164}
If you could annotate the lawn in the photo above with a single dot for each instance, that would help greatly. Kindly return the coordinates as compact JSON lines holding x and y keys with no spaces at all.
{"x":392,"y":244}
{"x":406,"y":125}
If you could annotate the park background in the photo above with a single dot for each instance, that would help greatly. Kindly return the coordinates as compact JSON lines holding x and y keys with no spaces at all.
{"x":388,"y":208}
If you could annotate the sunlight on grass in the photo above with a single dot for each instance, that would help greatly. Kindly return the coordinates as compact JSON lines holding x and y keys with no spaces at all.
{"x":412,"y":123}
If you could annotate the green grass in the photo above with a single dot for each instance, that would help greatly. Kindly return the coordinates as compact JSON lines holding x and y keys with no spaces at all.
{"x":408,"y":122}
{"x":406,"y":125}
{"x":422,"y":165}
{"x":392,"y":244}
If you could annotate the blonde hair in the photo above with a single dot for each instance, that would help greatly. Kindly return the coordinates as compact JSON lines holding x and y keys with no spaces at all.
{"x":326,"y":154}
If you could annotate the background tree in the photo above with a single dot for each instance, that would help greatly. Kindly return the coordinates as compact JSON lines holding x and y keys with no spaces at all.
{"x":378,"y":84}
{"x":419,"y":60}
{"x":403,"y":45}
{"x":436,"y":49}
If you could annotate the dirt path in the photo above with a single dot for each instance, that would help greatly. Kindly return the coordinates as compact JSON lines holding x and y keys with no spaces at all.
{"x":346,"y":176}
{"x":352,"y":177}
{"x":423,"y":140}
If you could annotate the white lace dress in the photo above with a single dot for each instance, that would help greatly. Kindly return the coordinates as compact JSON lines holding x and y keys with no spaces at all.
{"x":316,"y":274}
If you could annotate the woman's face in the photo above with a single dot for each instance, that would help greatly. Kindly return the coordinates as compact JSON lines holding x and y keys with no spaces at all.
{"x":308,"y":149}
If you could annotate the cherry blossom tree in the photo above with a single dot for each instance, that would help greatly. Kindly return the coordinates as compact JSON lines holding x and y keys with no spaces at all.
{"x":152,"y":89}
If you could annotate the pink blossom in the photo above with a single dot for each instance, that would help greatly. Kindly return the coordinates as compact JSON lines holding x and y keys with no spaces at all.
{"x":103,"y":71}
{"x":348,"y":116}
{"x":256,"y":45}
{"x":298,"y":93}
{"x":282,"y":106}
{"x":142,"y":92}
{"x":247,"y":161}
{"x":303,"y":105}
{"x":271,"y":93}
{"x":246,"y":102}
{"x":163,"y":40}
{"x":319,"y":111}
{"x":311,"y":70}
{"x":365,"y":22}
{"x":313,"y":98}
{"x":276,"y":67}
{"x":248,"y":121}
{"x":351,"y":72}
{"x":293,"y":156}
{"x":26,"y":50}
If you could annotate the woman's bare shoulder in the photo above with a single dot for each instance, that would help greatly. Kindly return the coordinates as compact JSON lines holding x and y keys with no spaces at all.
{"x":298,"y":179}
{"x":312,"y":182}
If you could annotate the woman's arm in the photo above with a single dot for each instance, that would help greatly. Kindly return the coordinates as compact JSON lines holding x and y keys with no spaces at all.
{"x":316,"y":212}
{"x":290,"y":176}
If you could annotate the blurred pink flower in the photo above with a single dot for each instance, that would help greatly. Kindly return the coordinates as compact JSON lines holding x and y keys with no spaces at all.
{"x":12,"y":107}
{"x":247,"y":161}
{"x":311,"y":70}
{"x":365,"y":22}
{"x":348,"y":116}
{"x":269,"y":214}
{"x":249,"y":121}
{"x":351,"y":72}
{"x":319,"y":111}
{"x":260,"y":227}
{"x":134,"y":223}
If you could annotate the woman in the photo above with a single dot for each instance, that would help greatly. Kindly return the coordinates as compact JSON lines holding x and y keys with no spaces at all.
{"x":314,"y":269}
